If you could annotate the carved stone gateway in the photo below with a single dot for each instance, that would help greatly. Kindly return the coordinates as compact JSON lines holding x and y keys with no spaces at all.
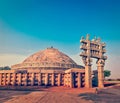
{"x":93,"y":49}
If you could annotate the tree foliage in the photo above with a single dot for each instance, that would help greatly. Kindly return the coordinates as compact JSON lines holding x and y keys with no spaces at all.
{"x":5,"y":68}
{"x":107,"y":73}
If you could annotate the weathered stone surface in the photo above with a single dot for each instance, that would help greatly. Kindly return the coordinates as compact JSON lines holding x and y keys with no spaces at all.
{"x":49,"y":57}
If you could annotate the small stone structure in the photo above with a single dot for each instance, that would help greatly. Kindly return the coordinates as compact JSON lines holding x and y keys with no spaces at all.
{"x":93,"y":49}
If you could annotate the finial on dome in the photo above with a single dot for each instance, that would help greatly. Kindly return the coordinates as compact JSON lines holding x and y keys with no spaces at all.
{"x":51,"y":46}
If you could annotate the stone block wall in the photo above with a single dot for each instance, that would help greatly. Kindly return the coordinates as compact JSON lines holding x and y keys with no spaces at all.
{"x":29,"y":78}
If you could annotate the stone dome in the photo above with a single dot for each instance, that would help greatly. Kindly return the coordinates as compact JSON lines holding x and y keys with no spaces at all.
{"x":49,"y":57}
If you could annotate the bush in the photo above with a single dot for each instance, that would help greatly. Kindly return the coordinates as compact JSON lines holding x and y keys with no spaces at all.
{"x":5,"y":68}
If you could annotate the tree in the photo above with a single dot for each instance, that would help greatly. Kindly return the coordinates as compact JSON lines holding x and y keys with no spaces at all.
{"x":107,"y":73}
{"x":5,"y":68}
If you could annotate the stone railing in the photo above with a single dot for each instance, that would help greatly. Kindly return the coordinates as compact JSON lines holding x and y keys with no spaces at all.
{"x":60,"y":65}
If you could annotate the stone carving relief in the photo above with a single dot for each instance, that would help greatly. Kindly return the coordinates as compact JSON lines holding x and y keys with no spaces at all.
{"x":100,"y":62}
{"x":87,"y":37}
{"x":87,"y":61}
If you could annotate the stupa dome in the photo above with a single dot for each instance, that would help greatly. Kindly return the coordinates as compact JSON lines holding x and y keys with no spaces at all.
{"x":47,"y":58}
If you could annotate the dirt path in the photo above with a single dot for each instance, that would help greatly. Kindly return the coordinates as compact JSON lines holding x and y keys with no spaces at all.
{"x":47,"y":97}
{"x":61,"y":95}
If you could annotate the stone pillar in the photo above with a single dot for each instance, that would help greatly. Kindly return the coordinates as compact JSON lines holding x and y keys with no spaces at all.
{"x":46,"y":79}
{"x":14,"y":78}
{"x":71,"y":80}
{"x":79,"y":79}
{"x":8,"y":79}
{"x":39,"y":79}
{"x":88,"y":78}
{"x":68,"y":79}
{"x":0,"y":79}
{"x":100,"y":67}
{"x":25,"y":79}
{"x":59,"y":79}
{"x":19,"y":81}
{"x":53,"y":79}
{"x":64,"y":80}
{"x":32,"y":79}
{"x":4,"y":82}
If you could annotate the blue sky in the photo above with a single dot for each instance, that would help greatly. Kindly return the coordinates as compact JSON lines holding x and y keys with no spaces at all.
{"x":27,"y":26}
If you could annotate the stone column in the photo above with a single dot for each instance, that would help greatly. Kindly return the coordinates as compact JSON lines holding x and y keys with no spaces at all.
{"x":46,"y":79}
{"x":0,"y":79}
{"x":100,"y":67}
{"x":59,"y":79}
{"x":4,"y":78}
{"x":64,"y":80}
{"x":8,"y":78}
{"x":19,"y":81}
{"x":68,"y":79}
{"x":39,"y":79}
{"x":79,"y":79}
{"x":25,"y":79}
{"x":52,"y":79}
{"x":88,"y":78}
{"x":14,"y":78}
{"x":71,"y":80}
{"x":32,"y":79}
